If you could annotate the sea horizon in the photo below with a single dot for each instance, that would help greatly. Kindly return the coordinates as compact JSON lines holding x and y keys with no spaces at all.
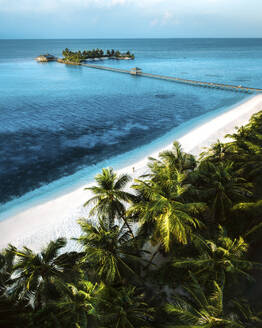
{"x":139,"y":38}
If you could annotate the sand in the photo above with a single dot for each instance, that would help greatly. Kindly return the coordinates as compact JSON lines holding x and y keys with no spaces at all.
{"x":37,"y":225}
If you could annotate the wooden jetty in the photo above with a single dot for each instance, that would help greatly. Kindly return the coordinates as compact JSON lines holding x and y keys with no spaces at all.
{"x":139,"y":72}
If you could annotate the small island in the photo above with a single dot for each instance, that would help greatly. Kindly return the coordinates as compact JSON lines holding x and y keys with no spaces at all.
{"x":79,"y":56}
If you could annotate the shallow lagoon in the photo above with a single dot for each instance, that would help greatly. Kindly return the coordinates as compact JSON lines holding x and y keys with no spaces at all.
{"x":56,"y":120}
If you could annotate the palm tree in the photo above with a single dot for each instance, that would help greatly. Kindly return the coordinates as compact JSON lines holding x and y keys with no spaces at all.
{"x":251,"y":132}
{"x":195,"y":309}
{"x":77,"y":305}
{"x":110,"y":197}
{"x":6,"y":268}
{"x":250,"y":157}
{"x":246,"y":220}
{"x":37,"y":275}
{"x":162,"y":206}
{"x":217,"y":152}
{"x":218,"y":259}
{"x":108,"y":250}
{"x":124,"y":307}
{"x":246,"y":148}
{"x":220,"y":187}
{"x":177,"y":159}
{"x":249,"y":317}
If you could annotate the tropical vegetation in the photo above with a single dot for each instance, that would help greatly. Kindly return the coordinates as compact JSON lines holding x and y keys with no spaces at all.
{"x":78,"y":56}
{"x":177,"y":247}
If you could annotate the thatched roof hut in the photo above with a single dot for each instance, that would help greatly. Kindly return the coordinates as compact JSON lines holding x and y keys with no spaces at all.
{"x":45,"y":58}
{"x":135,"y":70}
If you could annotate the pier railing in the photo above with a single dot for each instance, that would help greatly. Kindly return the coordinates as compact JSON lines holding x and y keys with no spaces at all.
{"x":213,"y":85}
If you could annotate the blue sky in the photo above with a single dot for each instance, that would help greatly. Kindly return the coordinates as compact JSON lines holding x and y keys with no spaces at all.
{"x":130,"y":18}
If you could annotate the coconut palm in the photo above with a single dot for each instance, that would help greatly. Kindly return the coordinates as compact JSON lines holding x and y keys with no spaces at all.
{"x":77,"y":306}
{"x":251,"y":132}
{"x":36,"y":274}
{"x":249,"y":159}
{"x":245,"y":311}
{"x":246,"y":152}
{"x":216,"y":152}
{"x":246,"y":146}
{"x":220,"y":187}
{"x":110,"y":197}
{"x":246,"y":220}
{"x":218,"y":259}
{"x":108,"y":250}
{"x":6,"y":268}
{"x":124,"y":307}
{"x":162,"y":206}
{"x":176,"y":159}
{"x":196,"y":309}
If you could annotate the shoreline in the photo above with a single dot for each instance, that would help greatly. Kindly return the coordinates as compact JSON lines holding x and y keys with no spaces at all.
{"x":57,"y":217}
{"x":85,"y":175}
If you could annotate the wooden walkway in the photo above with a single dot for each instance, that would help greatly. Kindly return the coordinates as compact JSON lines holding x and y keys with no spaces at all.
{"x":179,"y":80}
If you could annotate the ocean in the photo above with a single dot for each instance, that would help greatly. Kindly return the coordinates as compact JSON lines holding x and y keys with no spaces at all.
{"x":60,"y":124}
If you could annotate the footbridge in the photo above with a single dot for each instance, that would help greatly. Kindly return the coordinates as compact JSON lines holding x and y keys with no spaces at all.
{"x":138,"y":72}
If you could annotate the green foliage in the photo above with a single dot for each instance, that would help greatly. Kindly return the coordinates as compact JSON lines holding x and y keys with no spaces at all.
{"x":110,"y":197}
{"x":204,"y":220}
{"x":38,"y":275}
{"x":221,"y":259}
{"x":196,"y":308}
{"x":6,"y":268}
{"x":246,"y":220}
{"x":220,"y":187}
{"x":78,"y":56}
{"x":161,"y":205}
{"x":77,"y":306}
{"x":125,"y":307}
{"x":109,"y":251}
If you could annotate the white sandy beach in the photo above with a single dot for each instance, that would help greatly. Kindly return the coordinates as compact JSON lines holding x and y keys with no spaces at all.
{"x":37,"y":225}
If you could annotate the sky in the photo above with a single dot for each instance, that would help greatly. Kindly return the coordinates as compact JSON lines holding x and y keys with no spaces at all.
{"x":129,"y":18}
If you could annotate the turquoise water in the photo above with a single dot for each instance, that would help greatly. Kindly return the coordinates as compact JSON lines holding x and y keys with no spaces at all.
{"x":60,"y":124}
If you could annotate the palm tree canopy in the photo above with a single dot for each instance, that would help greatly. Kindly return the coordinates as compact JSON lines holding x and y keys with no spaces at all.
{"x":78,"y":303}
{"x":110,"y":197}
{"x":196,"y":309}
{"x":36,"y":273}
{"x":219,"y":258}
{"x":109,"y":249}
{"x":220,"y":187}
{"x":177,"y":159}
{"x":6,"y":267}
{"x":123,"y":308}
{"x":161,"y":204}
{"x":217,"y":152}
{"x":109,"y":194}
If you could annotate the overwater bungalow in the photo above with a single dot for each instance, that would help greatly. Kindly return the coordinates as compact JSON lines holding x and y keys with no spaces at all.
{"x":45,"y":58}
{"x":135,"y":71}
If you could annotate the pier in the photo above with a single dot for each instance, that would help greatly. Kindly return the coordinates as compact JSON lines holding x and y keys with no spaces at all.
{"x":214,"y":85}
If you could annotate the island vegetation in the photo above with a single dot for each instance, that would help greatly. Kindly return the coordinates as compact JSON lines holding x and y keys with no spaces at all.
{"x":79,"y":56}
{"x":181,"y":249}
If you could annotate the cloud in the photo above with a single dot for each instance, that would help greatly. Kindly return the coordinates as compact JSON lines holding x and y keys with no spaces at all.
{"x":136,"y":13}
{"x":42,"y":6}
{"x":52,"y":5}
{"x":165,"y":18}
